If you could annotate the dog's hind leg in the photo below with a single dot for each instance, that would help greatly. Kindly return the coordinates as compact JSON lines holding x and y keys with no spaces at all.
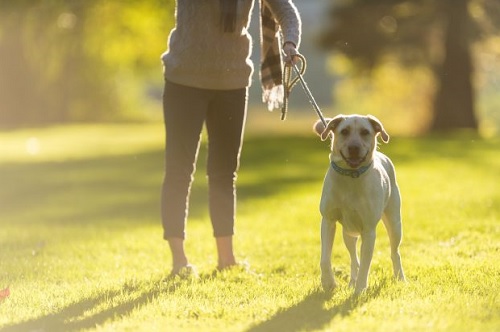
{"x":350,"y":243}
{"x":392,"y":222}
{"x":327,"y":236}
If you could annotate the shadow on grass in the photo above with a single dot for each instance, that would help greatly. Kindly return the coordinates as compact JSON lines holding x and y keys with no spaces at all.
{"x":77,"y":316}
{"x":311,"y":313}
{"x":127,"y":187}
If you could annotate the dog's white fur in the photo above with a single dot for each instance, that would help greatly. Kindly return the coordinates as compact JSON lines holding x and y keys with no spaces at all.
{"x":358,"y":203}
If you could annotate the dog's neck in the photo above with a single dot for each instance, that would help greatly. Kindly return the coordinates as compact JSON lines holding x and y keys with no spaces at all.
{"x":353,"y":173}
{"x":337,"y":162}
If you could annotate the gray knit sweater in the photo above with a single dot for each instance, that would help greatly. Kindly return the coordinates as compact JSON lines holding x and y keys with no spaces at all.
{"x":201,"y":55}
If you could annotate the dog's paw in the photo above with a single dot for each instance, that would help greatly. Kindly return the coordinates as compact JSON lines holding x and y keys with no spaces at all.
{"x":360,"y":291}
{"x":328,"y":282}
{"x":400,"y":276}
{"x":360,"y":288}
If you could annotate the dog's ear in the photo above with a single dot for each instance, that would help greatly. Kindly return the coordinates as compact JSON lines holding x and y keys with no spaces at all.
{"x":332,"y":124}
{"x":379,"y":128}
{"x":319,"y":126}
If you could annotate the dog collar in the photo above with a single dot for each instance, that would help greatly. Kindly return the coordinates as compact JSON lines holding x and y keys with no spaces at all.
{"x":353,"y":173}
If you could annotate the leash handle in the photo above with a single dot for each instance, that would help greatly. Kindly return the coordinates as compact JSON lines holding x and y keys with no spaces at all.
{"x":289,"y":83}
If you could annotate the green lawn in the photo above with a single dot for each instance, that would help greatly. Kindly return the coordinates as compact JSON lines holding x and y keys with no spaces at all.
{"x":81,"y":243}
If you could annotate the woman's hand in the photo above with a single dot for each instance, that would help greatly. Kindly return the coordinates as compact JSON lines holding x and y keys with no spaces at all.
{"x":290,"y":51}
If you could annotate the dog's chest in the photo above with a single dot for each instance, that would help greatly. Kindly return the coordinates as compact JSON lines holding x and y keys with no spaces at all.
{"x":355,"y":203}
{"x":352,"y":209}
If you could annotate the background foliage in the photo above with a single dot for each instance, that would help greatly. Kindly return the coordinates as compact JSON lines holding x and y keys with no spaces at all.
{"x":96,"y":60}
{"x":436,"y":36}
{"x":79,"y":60}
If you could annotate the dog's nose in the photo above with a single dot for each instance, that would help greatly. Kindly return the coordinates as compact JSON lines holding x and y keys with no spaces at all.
{"x":353,"y":150}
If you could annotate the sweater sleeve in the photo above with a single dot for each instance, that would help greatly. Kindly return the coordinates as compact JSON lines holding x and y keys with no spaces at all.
{"x":288,"y":18}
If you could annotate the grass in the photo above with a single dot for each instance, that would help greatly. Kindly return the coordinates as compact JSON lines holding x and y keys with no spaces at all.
{"x":81,"y":247}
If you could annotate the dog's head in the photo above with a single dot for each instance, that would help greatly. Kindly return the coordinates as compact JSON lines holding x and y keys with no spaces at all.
{"x":354,"y":137}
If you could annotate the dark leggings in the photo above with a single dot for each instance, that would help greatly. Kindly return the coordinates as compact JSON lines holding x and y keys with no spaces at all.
{"x":185,"y":111}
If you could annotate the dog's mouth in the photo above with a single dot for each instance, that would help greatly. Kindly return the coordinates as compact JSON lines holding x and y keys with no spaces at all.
{"x":354,"y":161}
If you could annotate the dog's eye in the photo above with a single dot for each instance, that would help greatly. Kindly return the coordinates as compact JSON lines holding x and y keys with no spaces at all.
{"x":344,"y":132}
{"x":364,"y":132}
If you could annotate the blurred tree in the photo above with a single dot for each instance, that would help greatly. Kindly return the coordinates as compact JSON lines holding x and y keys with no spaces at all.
{"x":67,"y":60}
{"x":435,"y":33}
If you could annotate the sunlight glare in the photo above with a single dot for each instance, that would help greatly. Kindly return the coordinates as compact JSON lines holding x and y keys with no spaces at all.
{"x":33,"y":146}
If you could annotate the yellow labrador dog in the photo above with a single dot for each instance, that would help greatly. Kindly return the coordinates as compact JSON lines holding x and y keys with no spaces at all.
{"x":359,"y":189}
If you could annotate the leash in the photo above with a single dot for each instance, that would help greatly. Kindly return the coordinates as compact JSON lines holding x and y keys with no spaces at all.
{"x":289,"y":83}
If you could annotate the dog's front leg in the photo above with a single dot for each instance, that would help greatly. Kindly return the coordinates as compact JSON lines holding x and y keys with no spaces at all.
{"x":367,"y":246}
{"x":327,"y":236}
{"x":350,"y":243}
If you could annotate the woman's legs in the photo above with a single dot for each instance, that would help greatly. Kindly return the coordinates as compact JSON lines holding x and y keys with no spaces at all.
{"x":185,"y":111}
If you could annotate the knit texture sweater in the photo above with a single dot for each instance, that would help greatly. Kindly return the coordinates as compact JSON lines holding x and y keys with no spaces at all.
{"x":201,"y":55}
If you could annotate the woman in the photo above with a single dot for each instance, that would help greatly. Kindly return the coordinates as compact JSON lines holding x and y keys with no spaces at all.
{"x":207,"y":71}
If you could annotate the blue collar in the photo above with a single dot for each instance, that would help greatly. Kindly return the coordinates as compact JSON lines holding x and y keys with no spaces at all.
{"x":353,"y":173}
